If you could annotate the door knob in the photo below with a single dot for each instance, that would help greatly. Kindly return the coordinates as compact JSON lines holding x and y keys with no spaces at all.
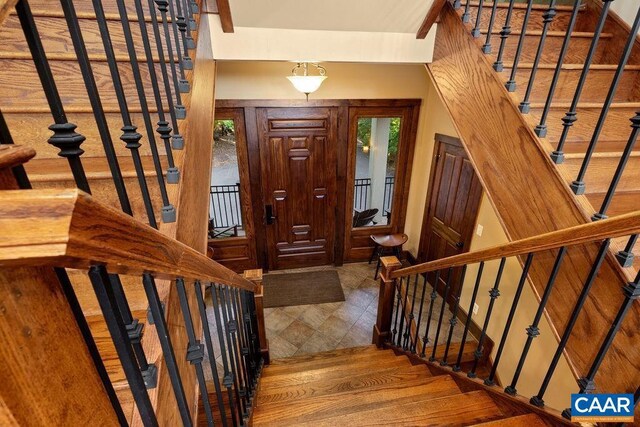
{"x":459,"y":245}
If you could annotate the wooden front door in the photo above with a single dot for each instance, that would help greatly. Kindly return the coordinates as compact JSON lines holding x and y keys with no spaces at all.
{"x":298,"y":161}
{"x":452,"y":206}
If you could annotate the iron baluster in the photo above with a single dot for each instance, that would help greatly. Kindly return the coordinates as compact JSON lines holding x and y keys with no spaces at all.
{"x":625,"y":257}
{"x":547,"y":19}
{"x":177,"y":142}
{"x":195,"y":349}
{"x":250,"y":336}
{"x":533,"y":331}
{"x":541,"y":128}
{"x":486,"y":47}
{"x":403,"y":313}
{"x":157,"y":312}
{"x":181,"y":23}
{"x":433,"y":296}
{"x":578,"y":186}
{"x":96,"y":103}
{"x":130,"y":137}
{"x":494,"y":293}
{"x":101,"y":285}
{"x":241,"y":338}
{"x":474,"y":295}
{"x":407,"y":335}
{"x":454,"y":318}
{"x":465,"y":14}
{"x":444,"y":304}
{"x":457,"y":4}
{"x":182,"y":81}
{"x":397,"y":311}
{"x":504,"y":35}
{"x":206,"y":331}
{"x":64,"y":137}
{"x":571,"y":116}
{"x":476,"y":28}
{"x":178,"y":109}
{"x":602,"y":213}
{"x":229,"y":378}
{"x":511,"y":83}
{"x":538,"y":400}
{"x":505,"y":333}
{"x":414,"y":346}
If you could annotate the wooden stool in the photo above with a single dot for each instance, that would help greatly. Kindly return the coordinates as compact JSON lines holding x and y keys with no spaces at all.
{"x":385,"y":242}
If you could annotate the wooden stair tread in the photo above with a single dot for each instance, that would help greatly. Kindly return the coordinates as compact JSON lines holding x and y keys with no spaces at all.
{"x":341,"y":404}
{"x":328,"y":373}
{"x":601,"y":171}
{"x":324,"y":355}
{"x":527,"y":420}
{"x":451,"y":410}
{"x":323,"y":387}
{"x":321,"y":363}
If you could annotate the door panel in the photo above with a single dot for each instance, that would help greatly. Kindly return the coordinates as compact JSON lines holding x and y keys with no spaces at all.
{"x":298,"y":157}
{"x":451,"y":209}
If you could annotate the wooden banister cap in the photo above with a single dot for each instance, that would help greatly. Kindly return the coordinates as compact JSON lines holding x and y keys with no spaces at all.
{"x":390,"y":262}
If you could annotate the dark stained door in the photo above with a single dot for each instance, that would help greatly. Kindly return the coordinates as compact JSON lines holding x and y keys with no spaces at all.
{"x":298,"y":161}
{"x":452,"y":206}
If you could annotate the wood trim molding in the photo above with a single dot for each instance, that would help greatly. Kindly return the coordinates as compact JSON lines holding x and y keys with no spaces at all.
{"x":288,"y":103}
{"x":224,"y":11}
{"x":619,"y":226}
{"x":430,"y":19}
{"x":68,"y":228}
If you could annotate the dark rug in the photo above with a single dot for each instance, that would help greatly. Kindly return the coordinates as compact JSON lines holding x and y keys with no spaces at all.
{"x":309,"y":287}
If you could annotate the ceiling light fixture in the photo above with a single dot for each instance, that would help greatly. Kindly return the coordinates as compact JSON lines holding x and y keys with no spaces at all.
{"x":305,"y":83}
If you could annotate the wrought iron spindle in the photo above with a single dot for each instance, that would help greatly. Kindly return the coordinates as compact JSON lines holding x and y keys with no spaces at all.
{"x":181,"y":23}
{"x":504,"y":35}
{"x":433,"y":296}
{"x":533,"y":331}
{"x":547,"y":19}
{"x":229,"y":376}
{"x":578,"y":186}
{"x":163,"y":129}
{"x":189,"y":16}
{"x":64,"y":137}
{"x":511,"y":83}
{"x":494,"y":293}
{"x":457,"y":4}
{"x":407,"y":334}
{"x":168,"y":211}
{"x":394,"y":331}
{"x":130,"y":137}
{"x":466,"y":15}
{"x":157,"y":313}
{"x":486,"y":47}
{"x":505,"y":333}
{"x":179,"y":111}
{"x":249,"y":336}
{"x":181,"y":65}
{"x":454,"y":318}
{"x":602,"y":213}
{"x":538,"y":400}
{"x":177,"y":142}
{"x":571,"y":116}
{"x":467,"y":324}
{"x":444,"y":304}
{"x":241,"y":341}
{"x":476,"y":28}
{"x":206,"y":331}
{"x":414,"y":345}
{"x":625,"y":257}
{"x":194,"y":6}
{"x":96,"y":103}
{"x":403,"y":316}
{"x":541,"y":128}
{"x":195,"y":349}
{"x":102,"y":287}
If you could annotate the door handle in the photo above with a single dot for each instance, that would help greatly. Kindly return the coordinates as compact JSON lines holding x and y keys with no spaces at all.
{"x":459,"y":245}
{"x":270,"y":218}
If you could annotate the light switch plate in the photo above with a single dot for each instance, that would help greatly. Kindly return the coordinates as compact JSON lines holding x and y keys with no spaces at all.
{"x":479,"y":229}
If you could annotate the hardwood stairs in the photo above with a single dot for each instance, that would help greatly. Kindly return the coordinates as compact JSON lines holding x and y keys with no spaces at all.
{"x":367,"y":386}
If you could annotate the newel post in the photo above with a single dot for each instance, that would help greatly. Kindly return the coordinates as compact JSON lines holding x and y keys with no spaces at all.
{"x":256,"y":277}
{"x":385,"y":300}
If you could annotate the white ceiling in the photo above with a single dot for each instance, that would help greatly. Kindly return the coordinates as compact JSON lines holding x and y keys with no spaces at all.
{"x":386,"y":16}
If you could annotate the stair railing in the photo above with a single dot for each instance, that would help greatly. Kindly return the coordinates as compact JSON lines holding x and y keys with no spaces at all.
{"x":472,"y":13}
{"x":403,"y":294}
{"x":226,"y":305}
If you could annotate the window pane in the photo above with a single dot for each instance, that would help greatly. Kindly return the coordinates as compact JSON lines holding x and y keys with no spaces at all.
{"x":376,"y":155}
{"x":225,"y":213}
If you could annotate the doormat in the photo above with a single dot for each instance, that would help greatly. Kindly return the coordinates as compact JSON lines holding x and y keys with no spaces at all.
{"x":312,"y":287}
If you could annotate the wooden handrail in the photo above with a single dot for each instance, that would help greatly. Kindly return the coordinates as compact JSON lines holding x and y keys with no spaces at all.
{"x":623,"y":225}
{"x":68,"y":228}
{"x":430,"y":19}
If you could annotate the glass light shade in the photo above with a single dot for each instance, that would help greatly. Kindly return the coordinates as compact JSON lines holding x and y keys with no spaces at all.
{"x":306,"y":84}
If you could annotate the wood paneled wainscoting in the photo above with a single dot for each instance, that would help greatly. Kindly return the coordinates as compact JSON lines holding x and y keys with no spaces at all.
{"x":297,"y":164}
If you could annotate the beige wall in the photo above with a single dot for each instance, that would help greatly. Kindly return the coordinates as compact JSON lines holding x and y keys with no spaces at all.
{"x":266,"y":80}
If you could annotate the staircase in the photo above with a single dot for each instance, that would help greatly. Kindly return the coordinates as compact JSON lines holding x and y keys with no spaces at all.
{"x":369,"y":386}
